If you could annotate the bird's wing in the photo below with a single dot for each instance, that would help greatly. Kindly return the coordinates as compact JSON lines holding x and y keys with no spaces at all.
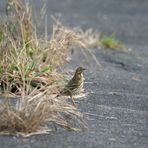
{"x":71,"y":84}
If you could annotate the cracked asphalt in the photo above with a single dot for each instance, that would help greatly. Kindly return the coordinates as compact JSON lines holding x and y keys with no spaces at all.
{"x":117,"y":100}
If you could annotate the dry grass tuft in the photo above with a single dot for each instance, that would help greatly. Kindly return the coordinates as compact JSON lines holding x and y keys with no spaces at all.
{"x":31,"y":113}
{"x":24,"y":55}
{"x":28,"y":73}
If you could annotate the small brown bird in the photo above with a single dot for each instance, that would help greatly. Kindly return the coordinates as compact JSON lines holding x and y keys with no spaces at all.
{"x":75,"y":85}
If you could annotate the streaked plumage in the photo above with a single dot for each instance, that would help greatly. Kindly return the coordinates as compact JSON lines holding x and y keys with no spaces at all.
{"x":75,"y":85}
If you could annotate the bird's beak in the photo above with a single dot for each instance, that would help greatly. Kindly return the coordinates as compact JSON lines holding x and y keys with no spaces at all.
{"x":84,"y":69}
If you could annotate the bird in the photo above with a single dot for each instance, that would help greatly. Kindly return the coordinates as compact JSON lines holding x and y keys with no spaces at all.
{"x":75,"y":85}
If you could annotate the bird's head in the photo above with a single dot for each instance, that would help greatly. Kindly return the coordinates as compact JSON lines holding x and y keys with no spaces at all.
{"x":79,"y":72}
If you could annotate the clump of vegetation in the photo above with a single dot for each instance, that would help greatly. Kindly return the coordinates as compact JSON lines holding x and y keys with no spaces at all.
{"x":28,"y":72}
{"x":31,"y":113}
{"x":110,"y":41}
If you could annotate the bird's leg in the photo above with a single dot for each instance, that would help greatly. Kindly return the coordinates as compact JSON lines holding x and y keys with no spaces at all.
{"x":73,"y":102}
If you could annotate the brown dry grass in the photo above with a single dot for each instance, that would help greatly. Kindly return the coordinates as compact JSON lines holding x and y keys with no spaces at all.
{"x":28,"y":73}
{"x":31,"y":113}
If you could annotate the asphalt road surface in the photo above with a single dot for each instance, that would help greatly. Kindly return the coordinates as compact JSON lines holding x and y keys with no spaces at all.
{"x":118,"y":92}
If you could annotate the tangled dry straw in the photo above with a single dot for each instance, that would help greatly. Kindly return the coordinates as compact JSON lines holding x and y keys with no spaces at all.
{"x":28,"y":73}
{"x":30,"y":114}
